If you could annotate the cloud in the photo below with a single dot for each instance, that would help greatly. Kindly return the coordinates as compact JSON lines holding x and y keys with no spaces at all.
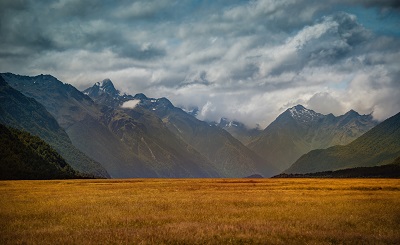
{"x":130,"y":104}
{"x":245,"y":60}
{"x":325,"y":103}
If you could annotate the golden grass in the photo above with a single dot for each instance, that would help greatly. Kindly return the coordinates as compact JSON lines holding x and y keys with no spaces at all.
{"x":201,"y":211}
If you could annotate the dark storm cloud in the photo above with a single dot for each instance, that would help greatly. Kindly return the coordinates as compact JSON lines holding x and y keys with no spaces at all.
{"x":35,"y":26}
{"x":197,"y":79}
{"x":327,"y":42}
{"x":345,"y":38}
{"x":228,"y":58}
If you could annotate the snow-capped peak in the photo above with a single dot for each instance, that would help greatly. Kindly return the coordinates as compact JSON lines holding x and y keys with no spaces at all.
{"x":303,"y":114}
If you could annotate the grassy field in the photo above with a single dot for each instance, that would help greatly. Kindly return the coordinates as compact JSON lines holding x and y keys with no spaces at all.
{"x":201,"y":211}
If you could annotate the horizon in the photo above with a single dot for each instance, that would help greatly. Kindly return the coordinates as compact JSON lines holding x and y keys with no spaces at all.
{"x":244,"y":60}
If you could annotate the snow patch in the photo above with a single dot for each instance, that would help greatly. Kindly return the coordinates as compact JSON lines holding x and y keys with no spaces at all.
{"x":130,"y":104}
{"x":304,"y":115}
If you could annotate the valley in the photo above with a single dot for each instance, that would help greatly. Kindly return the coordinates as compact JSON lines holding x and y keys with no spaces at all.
{"x":200,"y":211}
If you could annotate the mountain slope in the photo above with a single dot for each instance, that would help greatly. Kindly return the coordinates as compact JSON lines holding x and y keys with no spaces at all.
{"x":24,"y":156}
{"x":299,"y":130}
{"x":123,"y":145}
{"x":146,"y":135}
{"x":379,"y":146}
{"x":229,"y":156}
{"x":239,"y":130}
{"x":19,"y":111}
{"x":384,"y":171}
{"x":173,"y":126}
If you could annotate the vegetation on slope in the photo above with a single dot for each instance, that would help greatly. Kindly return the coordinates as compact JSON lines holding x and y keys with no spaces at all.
{"x":23,"y":156}
{"x":384,"y":171}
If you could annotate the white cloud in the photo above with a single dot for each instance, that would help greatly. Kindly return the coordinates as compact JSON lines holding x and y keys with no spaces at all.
{"x":325,"y":103}
{"x":130,"y":104}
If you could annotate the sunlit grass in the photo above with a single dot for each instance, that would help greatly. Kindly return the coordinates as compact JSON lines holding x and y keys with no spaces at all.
{"x":194,"y":211}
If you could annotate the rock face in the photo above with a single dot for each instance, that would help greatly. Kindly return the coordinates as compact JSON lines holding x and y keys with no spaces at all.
{"x":299,"y":130}
{"x":379,"y":146}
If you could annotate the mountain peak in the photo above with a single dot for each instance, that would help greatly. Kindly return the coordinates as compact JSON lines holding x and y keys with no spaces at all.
{"x":352,"y":113}
{"x":102,"y":87}
{"x":105,"y":82}
{"x":107,"y":86}
{"x":165,"y":102}
{"x":302,"y":114}
{"x":299,"y":108}
{"x":140,"y":96}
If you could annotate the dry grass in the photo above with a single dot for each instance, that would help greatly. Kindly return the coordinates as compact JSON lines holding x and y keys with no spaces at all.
{"x":200,"y":211}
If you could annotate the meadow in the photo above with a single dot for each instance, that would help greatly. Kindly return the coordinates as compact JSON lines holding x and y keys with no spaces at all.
{"x":200,"y":211}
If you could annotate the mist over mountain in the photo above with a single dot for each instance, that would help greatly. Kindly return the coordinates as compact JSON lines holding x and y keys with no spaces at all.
{"x":299,"y":130}
{"x":239,"y":130}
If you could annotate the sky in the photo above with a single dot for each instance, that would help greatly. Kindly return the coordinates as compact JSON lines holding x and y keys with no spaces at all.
{"x":244,"y":60}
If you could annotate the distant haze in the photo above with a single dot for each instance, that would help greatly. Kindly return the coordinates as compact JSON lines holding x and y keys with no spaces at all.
{"x":244,"y":60}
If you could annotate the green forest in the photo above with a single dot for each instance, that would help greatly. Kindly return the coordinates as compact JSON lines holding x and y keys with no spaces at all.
{"x":24,"y":156}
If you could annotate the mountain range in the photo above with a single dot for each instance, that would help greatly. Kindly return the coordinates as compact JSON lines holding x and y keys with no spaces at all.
{"x":120,"y":143}
{"x":102,"y":132}
{"x":299,"y":130}
{"x":227,"y":155}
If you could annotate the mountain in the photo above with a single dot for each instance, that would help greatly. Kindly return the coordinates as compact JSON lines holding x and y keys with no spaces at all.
{"x":379,"y":146}
{"x":24,"y":156}
{"x":228,"y":156}
{"x":105,"y":93}
{"x":239,"y":130}
{"x":147,"y":136}
{"x":21,"y":112}
{"x":123,"y":145}
{"x":299,"y":130}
